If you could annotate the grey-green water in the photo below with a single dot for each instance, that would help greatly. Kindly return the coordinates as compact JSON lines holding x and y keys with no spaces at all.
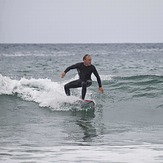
{"x":126,"y":126}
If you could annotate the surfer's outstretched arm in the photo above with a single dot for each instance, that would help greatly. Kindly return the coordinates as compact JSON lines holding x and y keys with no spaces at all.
{"x":75,"y":66}
{"x":101,"y":90}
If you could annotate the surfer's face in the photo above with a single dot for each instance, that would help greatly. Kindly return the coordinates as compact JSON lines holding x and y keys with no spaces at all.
{"x":87,"y":61}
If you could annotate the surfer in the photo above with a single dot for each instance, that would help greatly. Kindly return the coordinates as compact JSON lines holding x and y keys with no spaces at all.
{"x":85,"y":69}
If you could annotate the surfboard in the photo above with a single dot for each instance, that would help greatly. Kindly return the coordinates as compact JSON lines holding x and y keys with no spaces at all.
{"x":80,"y":105}
{"x":86,"y":104}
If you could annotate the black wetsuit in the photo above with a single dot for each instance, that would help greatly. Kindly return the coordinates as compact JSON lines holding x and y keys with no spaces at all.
{"x":84,"y":80}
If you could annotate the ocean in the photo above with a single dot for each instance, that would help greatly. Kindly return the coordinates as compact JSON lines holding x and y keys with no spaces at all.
{"x":36,"y":126}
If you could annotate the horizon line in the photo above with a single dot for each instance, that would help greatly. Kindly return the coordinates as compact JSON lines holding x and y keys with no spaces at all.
{"x":84,"y":43}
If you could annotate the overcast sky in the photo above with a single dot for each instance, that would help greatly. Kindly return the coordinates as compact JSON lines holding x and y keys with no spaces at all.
{"x":81,"y":21}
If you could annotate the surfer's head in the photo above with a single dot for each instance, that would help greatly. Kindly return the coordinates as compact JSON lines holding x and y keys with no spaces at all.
{"x":87,"y":60}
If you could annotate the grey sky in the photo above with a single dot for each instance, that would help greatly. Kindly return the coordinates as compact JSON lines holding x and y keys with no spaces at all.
{"x":81,"y":21}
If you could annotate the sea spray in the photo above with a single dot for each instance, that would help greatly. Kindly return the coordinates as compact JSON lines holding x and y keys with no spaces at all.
{"x":42,"y":91}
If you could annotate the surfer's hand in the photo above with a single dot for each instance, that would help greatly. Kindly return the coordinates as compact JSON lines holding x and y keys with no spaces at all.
{"x":63,"y":74}
{"x":101,"y":90}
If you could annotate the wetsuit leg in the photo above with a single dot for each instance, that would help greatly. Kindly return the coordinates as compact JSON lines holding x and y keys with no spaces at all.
{"x":84,"y":87}
{"x":73,"y":84}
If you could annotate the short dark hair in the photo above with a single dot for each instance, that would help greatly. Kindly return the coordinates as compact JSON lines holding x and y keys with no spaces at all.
{"x":87,"y":55}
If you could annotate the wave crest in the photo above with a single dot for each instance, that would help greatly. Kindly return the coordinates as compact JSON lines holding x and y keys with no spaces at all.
{"x":137,"y":86}
{"x":42,"y":91}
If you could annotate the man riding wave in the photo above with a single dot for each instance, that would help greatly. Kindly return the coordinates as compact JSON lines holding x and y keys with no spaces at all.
{"x":85,"y":69}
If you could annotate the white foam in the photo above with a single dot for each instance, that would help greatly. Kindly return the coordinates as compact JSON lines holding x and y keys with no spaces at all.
{"x":45,"y":92}
{"x":127,"y":154}
{"x":23,"y":55}
{"x":20,"y":54}
{"x":103,"y":77}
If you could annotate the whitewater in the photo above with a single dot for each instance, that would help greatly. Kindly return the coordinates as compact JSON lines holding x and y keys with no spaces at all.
{"x":42,"y":91}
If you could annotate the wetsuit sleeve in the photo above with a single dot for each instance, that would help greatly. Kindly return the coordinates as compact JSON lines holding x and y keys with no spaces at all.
{"x":97,"y":76}
{"x":72,"y":67}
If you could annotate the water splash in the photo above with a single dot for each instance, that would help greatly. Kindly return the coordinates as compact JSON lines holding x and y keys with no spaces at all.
{"x":45,"y":92}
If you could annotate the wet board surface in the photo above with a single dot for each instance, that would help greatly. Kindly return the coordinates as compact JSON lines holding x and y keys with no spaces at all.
{"x":81,"y":105}
{"x":86,"y":104}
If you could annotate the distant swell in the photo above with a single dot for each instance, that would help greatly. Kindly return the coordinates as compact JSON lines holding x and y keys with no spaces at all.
{"x":153,"y":78}
{"x":139,"y":85}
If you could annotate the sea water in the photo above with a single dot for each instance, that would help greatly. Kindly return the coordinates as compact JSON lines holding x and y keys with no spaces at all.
{"x":36,"y":126}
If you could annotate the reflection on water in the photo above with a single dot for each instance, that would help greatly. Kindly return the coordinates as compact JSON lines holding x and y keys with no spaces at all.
{"x":86,"y":126}
{"x":88,"y":129}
